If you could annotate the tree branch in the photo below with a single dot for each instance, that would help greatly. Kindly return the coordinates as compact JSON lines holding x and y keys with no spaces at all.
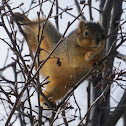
{"x":105,"y":17}
{"x":121,"y":56}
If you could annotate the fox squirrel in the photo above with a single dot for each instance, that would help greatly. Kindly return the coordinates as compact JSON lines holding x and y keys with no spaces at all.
{"x":77,"y":53}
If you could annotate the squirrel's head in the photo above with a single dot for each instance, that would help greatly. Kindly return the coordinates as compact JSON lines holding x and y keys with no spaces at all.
{"x":91,"y":36}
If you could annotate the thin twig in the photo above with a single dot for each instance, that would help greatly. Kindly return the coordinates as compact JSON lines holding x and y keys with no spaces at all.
{"x":103,"y":93}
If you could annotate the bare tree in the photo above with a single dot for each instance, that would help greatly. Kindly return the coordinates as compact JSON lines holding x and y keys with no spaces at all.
{"x":16,"y":94}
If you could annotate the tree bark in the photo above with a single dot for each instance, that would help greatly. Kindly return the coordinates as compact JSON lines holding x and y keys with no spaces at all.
{"x":116,"y":15}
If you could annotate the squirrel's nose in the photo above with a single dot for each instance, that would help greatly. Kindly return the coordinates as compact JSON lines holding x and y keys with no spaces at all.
{"x":97,"y":40}
{"x":103,"y":37}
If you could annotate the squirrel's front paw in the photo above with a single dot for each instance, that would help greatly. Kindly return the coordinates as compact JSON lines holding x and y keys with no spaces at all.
{"x":90,"y":56}
{"x":92,"y":60}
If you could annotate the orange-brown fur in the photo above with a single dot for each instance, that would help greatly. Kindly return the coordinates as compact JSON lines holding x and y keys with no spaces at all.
{"x":77,"y":54}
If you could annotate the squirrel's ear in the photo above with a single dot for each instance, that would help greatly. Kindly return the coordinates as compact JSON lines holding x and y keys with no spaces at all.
{"x":81,"y":25}
{"x":98,"y":23}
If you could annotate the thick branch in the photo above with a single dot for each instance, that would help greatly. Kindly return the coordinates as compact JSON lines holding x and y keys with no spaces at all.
{"x":117,"y":11}
{"x":121,"y":56}
{"x":105,"y":17}
{"x":115,"y":116}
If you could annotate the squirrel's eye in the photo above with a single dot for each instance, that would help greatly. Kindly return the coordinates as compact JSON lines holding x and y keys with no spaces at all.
{"x":85,"y":34}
